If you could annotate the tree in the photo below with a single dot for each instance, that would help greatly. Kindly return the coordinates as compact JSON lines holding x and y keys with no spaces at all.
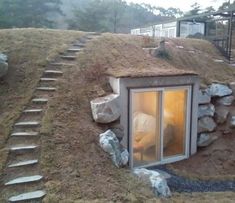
{"x":115,"y":14}
{"x":195,"y":10}
{"x":27,"y":13}
{"x":227,"y":5}
{"x":91,"y":18}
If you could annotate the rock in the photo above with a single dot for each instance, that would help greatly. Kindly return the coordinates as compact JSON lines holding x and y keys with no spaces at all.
{"x":232,"y":122}
{"x":219,"y":90}
{"x":221,"y":114}
{"x":156,"y":180}
{"x":118,"y":130}
{"x":111,"y":145}
{"x":3,"y":65}
{"x":206,"y":110}
{"x":179,"y":47}
{"x":106,"y":109}
{"x":205,"y":139}
{"x":218,"y":60}
{"x":204,"y":97}
{"x":226,"y":101}
{"x":206,"y":124}
{"x":232,"y":86}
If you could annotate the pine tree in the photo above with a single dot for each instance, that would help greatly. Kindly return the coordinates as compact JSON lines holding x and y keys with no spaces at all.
{"x":27,"y":13}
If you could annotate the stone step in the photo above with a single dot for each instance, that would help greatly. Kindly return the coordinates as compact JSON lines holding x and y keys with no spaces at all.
{"x":23,"y":148}
{"x":48,"y":79}
{"x":53,"y":72}
{"x":40,"y":100}
{"x":90,"y":37}
{"x":51,"y":89}
{"x":28,"y":196}
{"x":62,"y":64}
{"x":24,"y":134}
{"x":23,"y":163}
{"x":25,"y":179}
{"x":79,"y":45}
{"x":27,"y":124}
{"x":32,"y":111}
{"x":74,"y":50}
{"x":68,"y":57}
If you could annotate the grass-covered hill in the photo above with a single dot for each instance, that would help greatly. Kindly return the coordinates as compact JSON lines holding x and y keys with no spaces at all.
{"x":74,"y":166}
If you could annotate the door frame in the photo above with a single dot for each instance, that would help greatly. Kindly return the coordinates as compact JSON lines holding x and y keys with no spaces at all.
{"x":161,"y":103}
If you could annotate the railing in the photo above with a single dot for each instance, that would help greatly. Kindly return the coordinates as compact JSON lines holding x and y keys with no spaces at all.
{"x":222,"y":44}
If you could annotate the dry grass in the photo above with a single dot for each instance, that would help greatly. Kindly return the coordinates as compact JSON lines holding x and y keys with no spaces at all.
{"x":74,"y":166}
{"x":29,"y":50}
{"x":122,"y":55}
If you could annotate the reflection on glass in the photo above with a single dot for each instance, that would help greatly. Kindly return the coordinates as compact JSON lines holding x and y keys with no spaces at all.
{"x":145,"y":128}
{"x":158,"y":130}
{"x":174,"y":116}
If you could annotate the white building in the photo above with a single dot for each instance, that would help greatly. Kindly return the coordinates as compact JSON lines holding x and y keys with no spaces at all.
{"x":172,"y":29}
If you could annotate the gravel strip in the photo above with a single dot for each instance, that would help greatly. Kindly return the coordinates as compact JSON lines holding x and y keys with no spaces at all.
{"x":182,"y":184}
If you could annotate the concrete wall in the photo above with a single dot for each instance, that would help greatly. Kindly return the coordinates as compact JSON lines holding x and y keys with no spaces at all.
{"x":125,"y":84}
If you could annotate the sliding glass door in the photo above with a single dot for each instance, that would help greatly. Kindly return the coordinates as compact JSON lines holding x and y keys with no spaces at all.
{"x":159,"y":122}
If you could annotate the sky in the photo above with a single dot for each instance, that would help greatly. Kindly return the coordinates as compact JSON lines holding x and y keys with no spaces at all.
{"x":184,"y":5}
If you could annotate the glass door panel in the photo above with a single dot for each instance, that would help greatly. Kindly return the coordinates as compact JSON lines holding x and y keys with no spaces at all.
{"x":174,"y":122}
{"x":145,"y":118}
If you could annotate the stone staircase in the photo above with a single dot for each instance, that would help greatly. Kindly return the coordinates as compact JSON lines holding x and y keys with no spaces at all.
{"x":23,"y":179}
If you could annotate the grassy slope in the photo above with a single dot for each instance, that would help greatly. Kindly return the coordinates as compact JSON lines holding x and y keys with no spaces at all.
{"x":29,"y":51}
{"x":75,"y":167}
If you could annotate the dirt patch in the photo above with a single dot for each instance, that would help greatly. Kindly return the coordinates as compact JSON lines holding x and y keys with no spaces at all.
{"x":216,"y":161}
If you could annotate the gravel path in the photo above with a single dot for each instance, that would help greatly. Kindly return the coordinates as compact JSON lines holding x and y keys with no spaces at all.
{"x":182,"y":184}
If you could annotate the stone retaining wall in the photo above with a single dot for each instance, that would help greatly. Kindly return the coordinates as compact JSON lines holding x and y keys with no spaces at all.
{"x":216,"y":112}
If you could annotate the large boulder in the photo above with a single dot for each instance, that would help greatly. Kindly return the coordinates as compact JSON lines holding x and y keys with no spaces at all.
{"x":205,"y":139}
{"x":226,"y":101}
{"x":206,"y":110}
{"x":155,"y":180}
{"x":206,"y":124}
{"x":3,"y":65}
{"x":106,"y":109}
{"x":221,"y":114}
{"x":219,"y":90}
{"x":110,"y":144}
{"x":203,"y":97}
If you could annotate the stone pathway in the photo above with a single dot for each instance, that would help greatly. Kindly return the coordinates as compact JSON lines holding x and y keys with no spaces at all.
{"x":23,"y":179}
{"x":182,"y":184}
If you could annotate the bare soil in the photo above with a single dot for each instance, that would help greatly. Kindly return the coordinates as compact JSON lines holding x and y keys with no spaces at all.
{"x":215,"y":162}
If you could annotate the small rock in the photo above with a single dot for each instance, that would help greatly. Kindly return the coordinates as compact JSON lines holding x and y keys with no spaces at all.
{"x":232,"y":86}
{"x":179,"y":47}
{"x":218,"y":60}
{"x":204,"y":97}
{"x":226,"y":101}
{"x":156,"y":180}
{"x":110,"y":144}
{"x":227,"y":131}
{"x":206,"y":124}
{"x":206,"y":110}
{"x":106,"y":109}
{"x":232,"y":122}
{"x":205,"y":139}
{"x":3,"y":65}
{"x":219,"y":90}
{"x":221,"y":114}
